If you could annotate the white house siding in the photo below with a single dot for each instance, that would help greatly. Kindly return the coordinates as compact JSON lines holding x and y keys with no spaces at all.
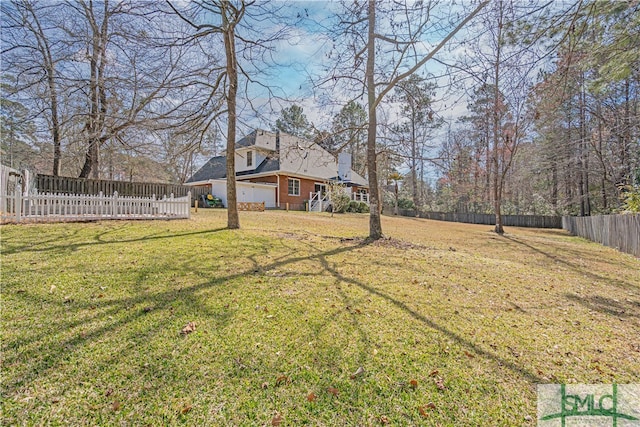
{"x":298,"y":156}
{"x":241,"y":160}
{"x":246,"y":192}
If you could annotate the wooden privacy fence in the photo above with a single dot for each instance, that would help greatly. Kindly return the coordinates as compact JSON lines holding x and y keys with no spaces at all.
{"x":81,"y":207}
{"x":534,"y":221}
{"x":617,"y":231}
{"x":68,"y":185}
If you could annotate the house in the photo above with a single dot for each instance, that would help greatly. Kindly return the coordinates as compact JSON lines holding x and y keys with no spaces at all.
{"x":281,"y":170}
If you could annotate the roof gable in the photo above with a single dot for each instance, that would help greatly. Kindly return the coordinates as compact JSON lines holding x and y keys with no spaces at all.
{"x":285,"y":153}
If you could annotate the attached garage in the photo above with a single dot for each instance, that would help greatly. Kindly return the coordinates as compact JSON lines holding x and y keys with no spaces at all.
{"x":246,"y":191}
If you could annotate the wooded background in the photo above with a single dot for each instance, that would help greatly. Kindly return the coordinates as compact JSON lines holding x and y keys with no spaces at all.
{"x":137,"y":91}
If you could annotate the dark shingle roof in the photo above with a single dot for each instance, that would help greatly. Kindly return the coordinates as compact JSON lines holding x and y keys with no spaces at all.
{"x":248,"y":140}
{"x":270,"y":164}
{"x":215,"y":168}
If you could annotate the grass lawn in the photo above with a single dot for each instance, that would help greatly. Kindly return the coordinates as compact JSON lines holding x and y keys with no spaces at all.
{"x":299,"y":321}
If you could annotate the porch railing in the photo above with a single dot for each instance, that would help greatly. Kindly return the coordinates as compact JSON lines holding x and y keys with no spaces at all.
{"x":360,"y":197}
{"x":318,"y":201}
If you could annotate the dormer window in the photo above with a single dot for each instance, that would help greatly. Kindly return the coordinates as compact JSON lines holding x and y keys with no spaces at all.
{"x":249,"y":158}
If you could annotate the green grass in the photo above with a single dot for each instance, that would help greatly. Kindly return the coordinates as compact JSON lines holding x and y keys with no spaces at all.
{"x":293,"y":304}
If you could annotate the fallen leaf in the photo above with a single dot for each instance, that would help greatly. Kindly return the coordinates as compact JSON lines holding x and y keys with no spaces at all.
{"x":357,"y":373}
{"x":311,"y":397}
{"x":423,"y":413}
{"x":186,"y":408}
{"x":333,"y":391}
{"x":275,"y":421}
{"x":265,"y":385}
{"x":440,"y":383}
{"x":109,"y":392}
{"x":414,"y":384}
{"x":282,"y":379}
{"x":188,"y":328}
{"x":116,"y":405}
{"x":434,"y":373}
{"x":430,"y":405}
{"x":384,"y":419}
{"x":469,"y":355}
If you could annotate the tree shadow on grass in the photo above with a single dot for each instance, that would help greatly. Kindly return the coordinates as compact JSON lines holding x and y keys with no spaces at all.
{"x":128,"y":311}
{"x":456,"y":337}
{"x":34,"y":349}
{"x":573,"y":266}
{"x":608,"y":306}
{"x":98,"y":240}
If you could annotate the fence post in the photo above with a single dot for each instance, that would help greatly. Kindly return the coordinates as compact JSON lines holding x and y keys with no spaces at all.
{"x":18,"y":202}
{"x":189,"y":205}
{"x":114,"y":207}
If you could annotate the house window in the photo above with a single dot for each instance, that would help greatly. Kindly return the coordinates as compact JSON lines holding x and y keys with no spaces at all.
{"x":249,"y":158}
{"x":322,"y":188}
{"x":294,"y":187}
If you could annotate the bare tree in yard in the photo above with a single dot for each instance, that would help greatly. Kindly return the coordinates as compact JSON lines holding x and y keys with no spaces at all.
{"x":377,"y":46}
{"x":501,"y":63}
{"x":240,"y":26}
{"x":31,"y":51}
{"x":134,"y":75}
{"x":103,"y":72}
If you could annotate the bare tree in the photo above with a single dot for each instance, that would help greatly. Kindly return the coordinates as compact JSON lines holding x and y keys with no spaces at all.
{"x":375,"y":64}
{"x":254,"y":45}
{"x":99,"y":72}
{"x":25,"y":36}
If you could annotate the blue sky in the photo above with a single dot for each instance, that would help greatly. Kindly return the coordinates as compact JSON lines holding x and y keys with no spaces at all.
{"x":303,"y":54}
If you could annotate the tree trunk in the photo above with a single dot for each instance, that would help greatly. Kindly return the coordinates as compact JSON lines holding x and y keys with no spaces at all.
{"x":375,"y":225}
{"x":414,"y":162}
{"x":233,"y":220}
{"x":49,"y":67}
{"x":97,"y":93}
{"x":497,"y":187}
{"x":554,"y":186}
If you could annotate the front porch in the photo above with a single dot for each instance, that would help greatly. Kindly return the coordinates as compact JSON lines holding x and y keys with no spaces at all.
{"x":320,"y":200}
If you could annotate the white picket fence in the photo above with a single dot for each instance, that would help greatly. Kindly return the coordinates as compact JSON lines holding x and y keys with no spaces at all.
{"x":18,"y":207}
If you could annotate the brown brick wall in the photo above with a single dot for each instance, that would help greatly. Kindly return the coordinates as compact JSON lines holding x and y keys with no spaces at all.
{"x":306,"y":186}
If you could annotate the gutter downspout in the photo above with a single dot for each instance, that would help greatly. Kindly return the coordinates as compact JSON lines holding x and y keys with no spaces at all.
{"x":278,"y":190}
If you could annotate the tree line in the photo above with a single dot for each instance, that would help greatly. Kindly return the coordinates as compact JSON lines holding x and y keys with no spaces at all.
{"x":147,"y":90}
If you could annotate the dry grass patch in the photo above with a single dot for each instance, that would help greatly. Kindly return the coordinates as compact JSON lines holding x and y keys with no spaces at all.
{"x":299,"y":319}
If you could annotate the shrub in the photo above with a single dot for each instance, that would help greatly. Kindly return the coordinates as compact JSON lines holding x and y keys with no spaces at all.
{"x":353,"y":206}
{"x":339,"y":198}
{"x":363,"y":207}
{"x":404,"y":203}
{"x":631,"y":202}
